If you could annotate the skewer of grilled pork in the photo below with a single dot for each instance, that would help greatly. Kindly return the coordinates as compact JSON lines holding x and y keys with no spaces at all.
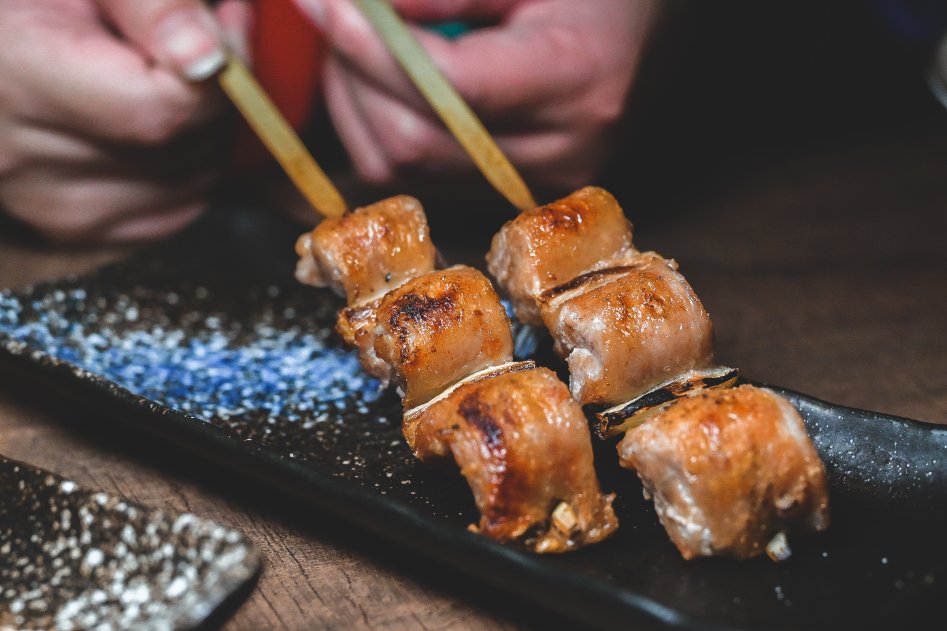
{"x":731,"y":469}
{"x":443,"y":337}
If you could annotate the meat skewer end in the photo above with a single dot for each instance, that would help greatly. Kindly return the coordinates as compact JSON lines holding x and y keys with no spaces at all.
{"x":730,"y":470}
{"x":369,"y":251}
{"x":549,"y":245}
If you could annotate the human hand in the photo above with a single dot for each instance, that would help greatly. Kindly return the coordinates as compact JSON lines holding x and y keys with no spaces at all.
{"x":107,"y":131}
{"x":549,"y":79}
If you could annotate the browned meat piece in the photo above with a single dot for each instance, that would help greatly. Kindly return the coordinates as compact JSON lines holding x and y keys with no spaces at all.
{"x":625,"y":329}
{"x":523,"y":445}
{"x":729,"y":470}
{"x":356,"y":326}
{"x":438,"y":328}
{"x":368,"y":251}
{"x":553,"y":244}
{"x":306,"y":270}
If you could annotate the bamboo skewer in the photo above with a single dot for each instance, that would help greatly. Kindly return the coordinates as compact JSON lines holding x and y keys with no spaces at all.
{"x":444,"y":99}
{"x":278,"y":136}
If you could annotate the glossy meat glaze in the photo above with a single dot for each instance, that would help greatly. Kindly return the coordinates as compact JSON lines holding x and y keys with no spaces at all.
{"x":729,"y":469}
{"x":432,"y":331}
{"x":623,"y":320}
{"x":625,"y":329}
{"x":523,"y":445}
{"x":552,"y":244}
{"x":369,"y":251}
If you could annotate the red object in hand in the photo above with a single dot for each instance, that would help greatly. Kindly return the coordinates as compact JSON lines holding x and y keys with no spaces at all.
{"x":288,"y":58}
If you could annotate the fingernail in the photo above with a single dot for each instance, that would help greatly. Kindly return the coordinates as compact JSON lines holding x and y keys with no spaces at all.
{"x":316,"y":10}
{"x":239,"y":44}
{"x":188,"y":41}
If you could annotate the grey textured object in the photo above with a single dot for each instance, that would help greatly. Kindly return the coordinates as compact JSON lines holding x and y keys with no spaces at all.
{"x":72,"y":559}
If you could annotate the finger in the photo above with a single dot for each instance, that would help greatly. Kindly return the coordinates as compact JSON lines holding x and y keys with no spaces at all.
{"x":504,"y":72}
{"x":74,"y":207}
{"x":410,"y":140}
{"x":389,"y":141}
{"x":349,"y":120}
{"x":152,"y":223}
{"x":38,"y":146}
{"x":351,"y":37}
{"x":551,"y":62}
{"x":86,"y":81}
{"x":518,"y":70}
{"x":412,"y":146}
{"x":181,"y":34}
{"x":559,"y":159}
{"x":390,"y":144}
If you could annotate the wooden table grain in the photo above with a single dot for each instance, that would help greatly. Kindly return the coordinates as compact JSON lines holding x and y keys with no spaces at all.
{"x":824,"y":270}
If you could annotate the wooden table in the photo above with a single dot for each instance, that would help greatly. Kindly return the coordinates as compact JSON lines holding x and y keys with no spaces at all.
{"x":824,"y":269}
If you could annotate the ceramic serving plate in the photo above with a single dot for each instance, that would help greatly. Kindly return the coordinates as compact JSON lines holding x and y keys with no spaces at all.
{"x":210,"y":343}
{"x":74,"y":559}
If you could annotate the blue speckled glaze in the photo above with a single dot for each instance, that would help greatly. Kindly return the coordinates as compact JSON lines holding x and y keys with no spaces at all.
{"x":230,"y":340}
{"x":282,"y":363}
{"x":212,"y":370}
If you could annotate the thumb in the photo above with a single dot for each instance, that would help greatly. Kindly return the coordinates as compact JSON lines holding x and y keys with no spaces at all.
{"x":179,"y":34}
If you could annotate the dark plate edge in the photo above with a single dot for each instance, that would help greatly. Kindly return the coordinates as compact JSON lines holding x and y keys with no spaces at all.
{"x":860,"y":413}
{"x":899,"y":459}
{"x":583,"y":599}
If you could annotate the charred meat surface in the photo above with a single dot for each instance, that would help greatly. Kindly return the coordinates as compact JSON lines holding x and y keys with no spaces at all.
{"x":618,"y":419}
{"x":445,"y":339}
{"x":623,"y":330}
{"x":729,"y":470}
{"x":523,"y":445}
{"x":369,"y":251}
{"x":438,"y":328}
{"x":552,"y":244}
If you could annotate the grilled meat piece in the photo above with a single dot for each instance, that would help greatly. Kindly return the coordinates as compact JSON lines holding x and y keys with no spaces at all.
{"x":729,"y":470}
{"x":369,"y":251}
{"x":625,"y":329}
{"x":523,"y":445}
{"x":435,"y":330}
{"x":552,"y":244}
{"x":356,"y":326}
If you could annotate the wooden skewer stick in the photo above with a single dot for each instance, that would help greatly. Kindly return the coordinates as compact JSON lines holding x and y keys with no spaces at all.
{"x":452,"y":109}
{"x":278,"y":136}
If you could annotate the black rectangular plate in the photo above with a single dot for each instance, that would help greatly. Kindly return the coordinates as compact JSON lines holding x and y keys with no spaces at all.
{"x":208,"y":341}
